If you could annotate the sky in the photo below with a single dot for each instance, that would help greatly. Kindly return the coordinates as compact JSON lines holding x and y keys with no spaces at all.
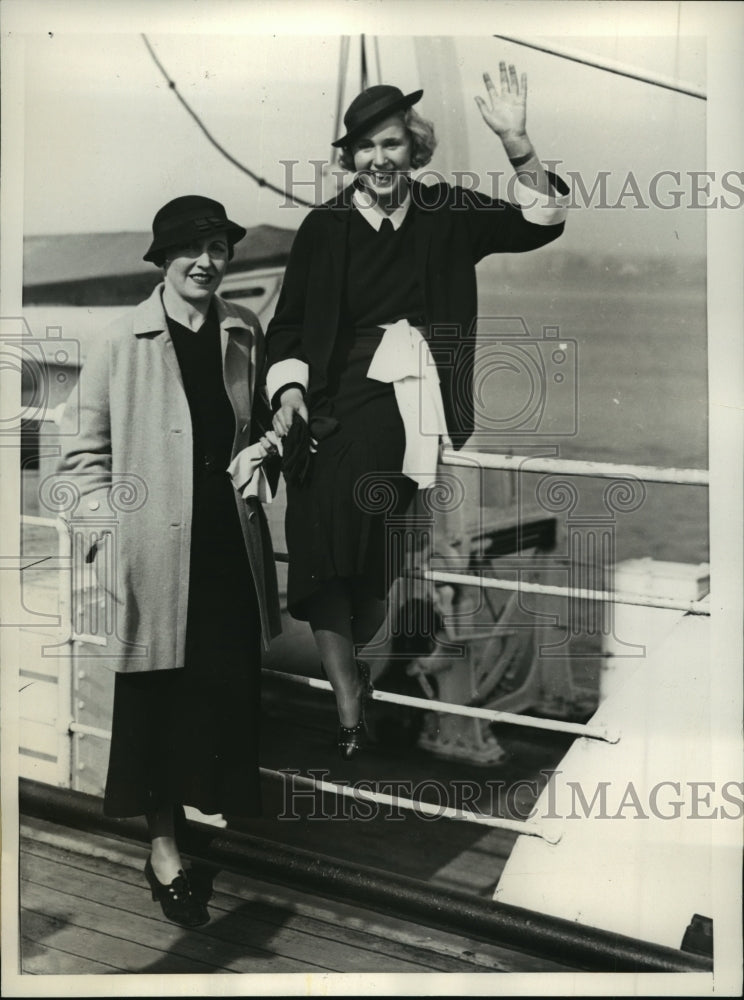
{"x":106,"y":142}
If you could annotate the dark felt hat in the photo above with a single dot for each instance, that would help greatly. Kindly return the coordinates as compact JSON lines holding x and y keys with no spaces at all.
{"x":371,"y":106}
{"x":188,"y":218}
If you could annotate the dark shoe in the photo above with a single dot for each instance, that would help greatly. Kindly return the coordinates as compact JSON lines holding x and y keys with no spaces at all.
{"x":177,"y":900}
{"x":352,"y":739}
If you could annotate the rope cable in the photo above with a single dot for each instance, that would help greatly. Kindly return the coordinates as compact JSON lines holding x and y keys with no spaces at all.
{"x":609,"y":67}
{"x":261,"y":181}
{"x":342,"y":71}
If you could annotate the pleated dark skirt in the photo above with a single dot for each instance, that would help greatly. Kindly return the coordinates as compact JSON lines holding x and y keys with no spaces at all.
{"x":191,"y":735}
{"x":343,"y":521}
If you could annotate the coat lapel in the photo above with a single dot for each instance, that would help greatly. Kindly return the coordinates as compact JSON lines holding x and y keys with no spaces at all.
{"x":149,"y":319}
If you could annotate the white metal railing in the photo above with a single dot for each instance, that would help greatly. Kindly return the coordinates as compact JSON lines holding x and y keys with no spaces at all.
{"x":412,"y":805}
{"x":524,"y":827}
{"x":576,"y":467}
{"x":694,"y":607}
{"x":468,"y":711}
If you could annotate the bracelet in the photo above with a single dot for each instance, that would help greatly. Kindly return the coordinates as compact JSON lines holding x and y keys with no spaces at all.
{"x":519,"y":161}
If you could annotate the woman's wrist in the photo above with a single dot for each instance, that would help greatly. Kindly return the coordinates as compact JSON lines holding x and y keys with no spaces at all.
{"x":518,"y":146}
{"x":292,"y":396}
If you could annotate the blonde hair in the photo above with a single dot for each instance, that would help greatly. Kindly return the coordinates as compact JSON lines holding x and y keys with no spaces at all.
{"x":421,"y":134}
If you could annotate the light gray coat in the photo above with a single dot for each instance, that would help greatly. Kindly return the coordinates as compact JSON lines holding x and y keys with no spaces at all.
{"x":126,"y":475}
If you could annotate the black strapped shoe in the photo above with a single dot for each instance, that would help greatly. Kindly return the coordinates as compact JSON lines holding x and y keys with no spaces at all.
{"x":177,"y":899}
{"x":352,"y":739}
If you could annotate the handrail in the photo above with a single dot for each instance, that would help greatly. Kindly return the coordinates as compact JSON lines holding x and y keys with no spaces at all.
{"x":693,"y":607}
{"x":469,"y":711}
{"x":576,"y":467}
{"x":527,"y":463}
{"x":522,"y":827}
{"x":413,"y":805}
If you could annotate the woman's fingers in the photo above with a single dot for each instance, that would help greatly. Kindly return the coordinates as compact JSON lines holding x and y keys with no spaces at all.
{"x":270,"y":443}
{"x":285,"y":415}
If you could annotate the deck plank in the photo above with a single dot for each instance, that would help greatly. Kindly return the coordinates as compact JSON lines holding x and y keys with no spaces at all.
{"x":87,"y":945}
{"x":168,"y":944}
{"x":52,"y":961}
{"x":280,"y":924}
{"x":438,"y":949}
{"x":243,"y":936}
{"x":242,"y":914}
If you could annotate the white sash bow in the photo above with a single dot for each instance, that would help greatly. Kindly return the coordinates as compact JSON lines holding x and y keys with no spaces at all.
{"x":403,"y":358}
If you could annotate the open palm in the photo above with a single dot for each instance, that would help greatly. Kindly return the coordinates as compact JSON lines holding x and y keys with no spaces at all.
{"x":506,"y":112}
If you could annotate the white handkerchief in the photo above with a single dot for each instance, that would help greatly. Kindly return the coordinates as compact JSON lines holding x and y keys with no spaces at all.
{"x":248,"y":477}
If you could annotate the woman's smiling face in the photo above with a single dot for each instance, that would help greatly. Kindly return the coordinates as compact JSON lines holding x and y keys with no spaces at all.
{"x":195,"y":269}
{"x":382,"y":160}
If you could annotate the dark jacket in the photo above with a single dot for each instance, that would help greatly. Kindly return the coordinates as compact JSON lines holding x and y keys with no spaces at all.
{"x":455,"y":228}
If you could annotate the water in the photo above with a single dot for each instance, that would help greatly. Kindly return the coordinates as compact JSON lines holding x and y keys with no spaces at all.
{"x":637,"y":332}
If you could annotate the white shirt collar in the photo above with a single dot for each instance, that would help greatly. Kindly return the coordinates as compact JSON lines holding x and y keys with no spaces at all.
{"x":373,"y":214}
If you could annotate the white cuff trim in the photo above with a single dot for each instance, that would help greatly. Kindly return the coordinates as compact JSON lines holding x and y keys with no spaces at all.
{"x":283,"y":372}
{"x":541,"y":209}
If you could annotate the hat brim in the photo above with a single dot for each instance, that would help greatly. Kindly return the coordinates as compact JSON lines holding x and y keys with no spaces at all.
{"x":157,"y":248}
{"x":377,"y":115}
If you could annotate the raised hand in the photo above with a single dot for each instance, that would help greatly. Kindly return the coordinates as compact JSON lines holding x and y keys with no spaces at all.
{"x":505,"y":113}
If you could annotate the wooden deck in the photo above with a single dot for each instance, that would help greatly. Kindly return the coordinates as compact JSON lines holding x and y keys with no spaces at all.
{"x":85,"y":909}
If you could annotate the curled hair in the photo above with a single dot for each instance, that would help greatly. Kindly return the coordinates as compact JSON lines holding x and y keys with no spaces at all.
{"x":421,"y":134}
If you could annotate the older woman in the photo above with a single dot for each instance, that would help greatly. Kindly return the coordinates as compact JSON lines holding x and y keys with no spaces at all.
{"x":378,"y":300}
{"x":165,"y":404}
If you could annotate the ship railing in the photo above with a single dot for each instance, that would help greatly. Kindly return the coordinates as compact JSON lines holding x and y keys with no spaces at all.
{"x":68,"y":727}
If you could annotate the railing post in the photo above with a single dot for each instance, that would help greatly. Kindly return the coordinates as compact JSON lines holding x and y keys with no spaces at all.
{"x":65,"y":670}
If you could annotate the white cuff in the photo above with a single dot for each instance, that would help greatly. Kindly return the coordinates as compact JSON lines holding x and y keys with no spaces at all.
{"x":283,"y":372}
{"x":541,"y":209}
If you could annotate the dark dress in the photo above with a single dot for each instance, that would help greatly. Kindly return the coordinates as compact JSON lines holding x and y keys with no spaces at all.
{"x":190,"y":735}
{"x":339,"y":522}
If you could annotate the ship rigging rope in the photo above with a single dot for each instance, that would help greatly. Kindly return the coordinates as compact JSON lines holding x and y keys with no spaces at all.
{"x":342,"y":70}
{"x":610,"y":66}
{"x":261,"y":181}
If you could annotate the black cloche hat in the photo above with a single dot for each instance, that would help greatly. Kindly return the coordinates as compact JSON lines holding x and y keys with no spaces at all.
{"x":371,"y":106}
{"x":185,"y":219}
